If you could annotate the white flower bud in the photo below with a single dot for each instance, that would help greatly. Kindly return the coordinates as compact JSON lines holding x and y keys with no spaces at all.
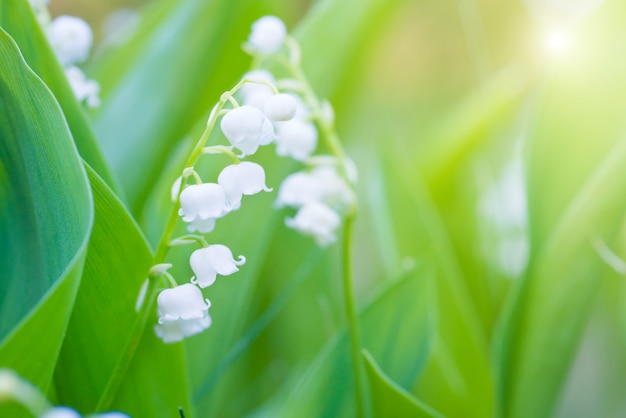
{"x":176,"y":188}
{"x":245,"y":178}
{"x":296,"y":139}
{"x":298,"y":189}
{"x":246,"y":128}
{"x":317,"y":220}
{"x":280,"y":107}
{"x":71,"y":39}
{"x":208,"y":262}
{"x":174,"y":331}
{"x":202,"y":201}
{"x":83,"y":88}
{"x":181,"y":302}
{"x":256,"y":94}
{"x":267,"y":36}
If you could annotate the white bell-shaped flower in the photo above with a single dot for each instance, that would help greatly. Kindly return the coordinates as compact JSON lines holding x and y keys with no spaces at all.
{"x":245,"y":178}
{"x":208,"y":262}
{"x":336,"y":192}
{"x":256,"y":94}
{"x":267,"y":36}
{"x":203,"y":226}
{"x":71,"y":39}
{"x":174,"y":331}
{"x":61,"y":412}
{"x":246,"y":128}
{"x":202,"y":201}
{"x":296,"y":139}
{"x":181,"y":302}
{"x":298,"y":189}
{"x":317,"y":220}
{"x":280,"y":107}
{"x":84,"y":89}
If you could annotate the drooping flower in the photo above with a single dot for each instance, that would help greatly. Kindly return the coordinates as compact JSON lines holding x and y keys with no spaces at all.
{"x":280,"y":107}
{"x":208,"y":262}
{"x":298,"y":189}
{"x":245,"y":178}
{"x":267,"y":36}
{"x":246,"y":128}
{"x":84,"y":89}
{"x":202,"y":201}
{"x":256,"y":94}
{"x":181,"y":302}
{"x":203,"y":226}
{"x":296,"y":138}
{"x":336,"y":193}
{"x":174,"y":331}
{"x":317,"y":220}
{"x":71,"y":39}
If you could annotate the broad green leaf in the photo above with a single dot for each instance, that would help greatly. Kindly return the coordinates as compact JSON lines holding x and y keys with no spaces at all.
{"x":17,"y":18}
{"x":105,"y":331}
{"x":46,"y":215}
{"x":389,"y":399}
{"x":397,"y":326}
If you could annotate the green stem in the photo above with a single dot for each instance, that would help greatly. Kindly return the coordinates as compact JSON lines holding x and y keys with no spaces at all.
{"x":353,"y":319}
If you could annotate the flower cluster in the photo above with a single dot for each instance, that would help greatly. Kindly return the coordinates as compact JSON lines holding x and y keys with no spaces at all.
{"x":71,"y":39}
{"x":253,"y":114}
{"x":321,"y":193}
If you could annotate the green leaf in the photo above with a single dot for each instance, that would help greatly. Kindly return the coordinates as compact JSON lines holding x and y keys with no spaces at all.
{"x":118,"y":260}
{"x":397,"y":327}
{"x":46,"y":215}
{"x":17,"y":18}
{"x":389,"y":399}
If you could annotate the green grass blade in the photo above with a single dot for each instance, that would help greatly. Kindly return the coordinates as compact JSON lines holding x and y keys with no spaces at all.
{"x":391,"y":400}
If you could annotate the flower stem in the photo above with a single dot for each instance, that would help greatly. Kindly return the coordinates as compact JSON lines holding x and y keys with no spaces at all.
{"x":353,"y":319}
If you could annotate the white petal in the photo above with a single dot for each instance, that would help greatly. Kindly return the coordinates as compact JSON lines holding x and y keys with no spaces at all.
{"x":246,"y":128}
{"x":268,"y":34}
{"x":280,"y":107}
{"x":244,"y":178}
{"x":202,"y":201}
{"x":206,"y":263}
{"x":203,"y":226}
{"x":296,"y":139}
{"x":174,"y":331}
{"x":256,"y":94}
{"x":71,"y":39}
{"x":202,"y":267}
{"x":181,"y":302}
{"x":299,"y":189}
{"x":317,"y":220}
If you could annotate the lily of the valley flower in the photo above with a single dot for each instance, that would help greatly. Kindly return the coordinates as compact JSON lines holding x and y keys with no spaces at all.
{"x":336,"y":193}
{"x":298,"y":189}
{"x":256,"y":94}
{"x":181,"y":302}
{"x":202,"y":201}
{"x":317,"y":220}
{"x":84,"y":89}
{"x":296,"y":138}
{"x":245,"y":178}
{"x":203,"y":226}
{"x":267,"y":36}
{"x":208,"y":262}
{"x":246,"y":128}
{"x":280,"y":107}
{"x":71,"y":39}
{"x":174,"y":331}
